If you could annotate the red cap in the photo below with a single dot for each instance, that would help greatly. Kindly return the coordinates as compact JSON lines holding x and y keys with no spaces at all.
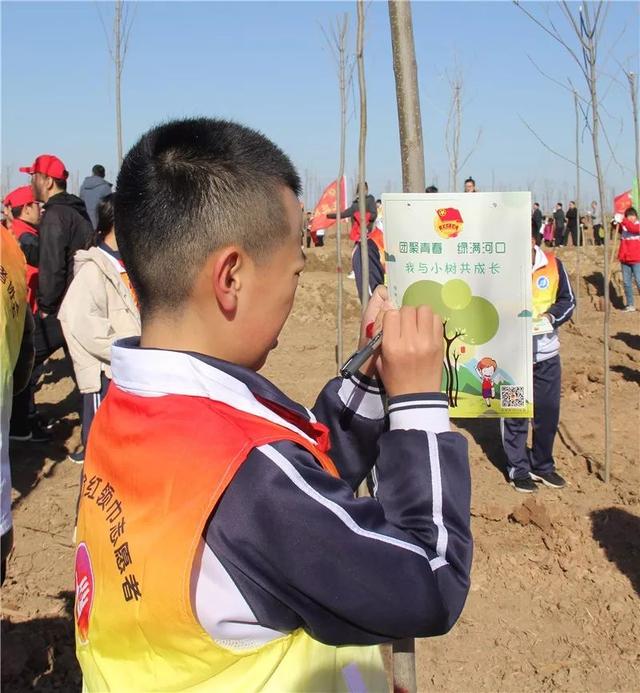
{"x":19,"y":196}
{"x":48,"y":165}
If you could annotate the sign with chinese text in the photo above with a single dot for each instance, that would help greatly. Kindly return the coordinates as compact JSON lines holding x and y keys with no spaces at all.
{"x":468,"y":256}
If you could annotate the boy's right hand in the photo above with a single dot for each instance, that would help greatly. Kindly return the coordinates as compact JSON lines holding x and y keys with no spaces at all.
{"x":412,"y":350}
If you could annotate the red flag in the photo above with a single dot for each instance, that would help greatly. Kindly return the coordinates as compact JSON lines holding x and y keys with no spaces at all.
{"x":621,"y":203}
{"x":328,"y":203}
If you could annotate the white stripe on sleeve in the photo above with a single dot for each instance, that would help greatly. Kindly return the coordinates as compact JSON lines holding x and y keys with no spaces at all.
{"x":292,"y":473}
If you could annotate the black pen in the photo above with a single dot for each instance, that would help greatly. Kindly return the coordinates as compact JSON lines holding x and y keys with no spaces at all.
{"x":353,"y":364}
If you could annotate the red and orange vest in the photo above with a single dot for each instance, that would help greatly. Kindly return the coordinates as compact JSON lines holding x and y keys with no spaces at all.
{"x":154,"y":471}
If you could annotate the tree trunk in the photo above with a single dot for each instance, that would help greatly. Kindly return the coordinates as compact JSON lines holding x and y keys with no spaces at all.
{"x":117,"y":41}
{"x":595,"y":132}
{"x":412,"y":154}
{"x":406,"y":75}
{"x":342,"y":79}
{"x":578,"y":280}
{"x":633,"y":85}
{"x":362,"y":195}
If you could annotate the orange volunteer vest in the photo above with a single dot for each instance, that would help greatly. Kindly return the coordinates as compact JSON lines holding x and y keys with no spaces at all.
{"x":154,"y":471}
{"x":545,"y":285}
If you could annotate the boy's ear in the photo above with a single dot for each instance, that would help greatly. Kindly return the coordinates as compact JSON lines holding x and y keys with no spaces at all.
{"x":225,"y":278}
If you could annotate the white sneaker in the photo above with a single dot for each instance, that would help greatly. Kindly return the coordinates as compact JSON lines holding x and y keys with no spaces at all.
{"x":630,"y":309}
{"x":352,"y":275}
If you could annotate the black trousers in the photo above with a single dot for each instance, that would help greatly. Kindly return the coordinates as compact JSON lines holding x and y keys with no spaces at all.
{"x":546,"y":415}
{"x":48,"y":338}
{"x":90,"y":403}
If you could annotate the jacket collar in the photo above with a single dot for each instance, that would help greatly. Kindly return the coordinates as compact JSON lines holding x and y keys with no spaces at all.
{"x":19,"y":226}
{"x":540,"y":260}
{"x":157,"y":372}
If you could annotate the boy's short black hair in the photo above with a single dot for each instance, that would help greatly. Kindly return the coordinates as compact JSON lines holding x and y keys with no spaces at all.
{"x":17,"y":211}
{"x":98,"y":170}
{"x":431,"y":189}
{"x":189,"y":187}
{"x":631,"y":212}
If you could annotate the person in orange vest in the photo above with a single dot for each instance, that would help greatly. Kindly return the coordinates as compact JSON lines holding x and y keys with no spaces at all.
{"x":220,"y":542}
{"x":553,"y":304}
{"x":16,"y":361}
{"x":25,"y":213}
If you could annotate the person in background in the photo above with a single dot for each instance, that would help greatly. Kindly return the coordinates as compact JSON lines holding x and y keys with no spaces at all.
{"x":559,"y":222}
{"x":354,"y":213}
{"x":553,"y":299}
{"x":537,"y":219}
{"x":380,"y":216}
{"x":431,"y":189}
{"x":470,"y":185}
{"x":25,"y":215}
{"x":65,"y":228}
{"x":629,"y":255}
{"x":98,"y":309}
{"x":16,"y":361}
{"x":596,"y":223}
{"x":548,"y":233}
{"x":92,"y":190}
{"x":572,"y":225}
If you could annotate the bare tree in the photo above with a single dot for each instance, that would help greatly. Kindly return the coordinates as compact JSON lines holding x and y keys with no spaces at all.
{"x":578,"y":276}
{"x":453,"y":130}
{"x":632,"y":77}
{"x":337,"y":41}
{"x":118,"y":43}
{"x":405,"y":70}
{"x":586,"y":30}
{"x":362,"y":145}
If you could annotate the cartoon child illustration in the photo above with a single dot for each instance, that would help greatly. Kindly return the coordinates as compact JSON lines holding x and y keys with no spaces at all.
{"x":486,"y":368}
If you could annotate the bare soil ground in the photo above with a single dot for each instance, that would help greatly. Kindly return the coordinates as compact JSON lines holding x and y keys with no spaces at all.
{"x":555,"y":597}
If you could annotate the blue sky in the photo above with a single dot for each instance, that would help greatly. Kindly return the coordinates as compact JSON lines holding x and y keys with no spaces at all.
{"x":266,"y":64}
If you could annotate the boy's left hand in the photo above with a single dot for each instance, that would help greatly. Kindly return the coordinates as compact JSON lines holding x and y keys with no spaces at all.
{"x":379,"y":303}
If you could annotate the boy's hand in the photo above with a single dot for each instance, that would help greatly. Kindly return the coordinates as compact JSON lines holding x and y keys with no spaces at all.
{"x":379,"y":302}
{"x":412,"y":351}
{"x":371,"y":324}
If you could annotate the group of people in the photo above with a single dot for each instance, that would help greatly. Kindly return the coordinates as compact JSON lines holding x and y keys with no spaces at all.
{"x":557,"y":229}
{"x":76,"y":297}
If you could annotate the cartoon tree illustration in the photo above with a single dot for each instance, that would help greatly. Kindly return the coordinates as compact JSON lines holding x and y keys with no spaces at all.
{"x":466,"y":319}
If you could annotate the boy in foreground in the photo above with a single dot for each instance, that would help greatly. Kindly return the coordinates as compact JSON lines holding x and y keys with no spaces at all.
{"x":220,"y":543}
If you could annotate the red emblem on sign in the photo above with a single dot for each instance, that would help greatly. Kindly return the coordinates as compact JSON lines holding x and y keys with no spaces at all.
{"x":85,"y":586}
{"x":448,"y":222}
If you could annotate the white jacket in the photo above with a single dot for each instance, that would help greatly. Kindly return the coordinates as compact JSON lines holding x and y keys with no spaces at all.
{"x":97,"y":310}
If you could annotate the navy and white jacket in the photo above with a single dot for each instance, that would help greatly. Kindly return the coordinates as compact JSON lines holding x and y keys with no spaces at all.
{"x":290,"y":546}
{"x":546,"y":346}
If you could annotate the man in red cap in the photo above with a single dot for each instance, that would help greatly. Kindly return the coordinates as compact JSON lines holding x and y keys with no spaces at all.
{"x":65,"y":229}
{"x":24,"y":212}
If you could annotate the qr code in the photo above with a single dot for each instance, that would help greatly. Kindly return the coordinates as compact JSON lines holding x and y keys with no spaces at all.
{"x":512,"y":397}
